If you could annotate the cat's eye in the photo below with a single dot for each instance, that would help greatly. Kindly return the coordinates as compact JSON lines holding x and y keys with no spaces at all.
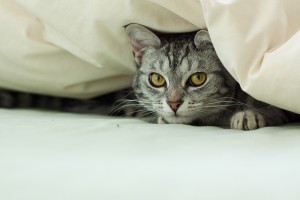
{"x":157,"y":80}
{"x":197,"y":79}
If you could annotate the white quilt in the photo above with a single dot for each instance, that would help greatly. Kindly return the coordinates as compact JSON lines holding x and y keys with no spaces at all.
{"x":58,"y":156}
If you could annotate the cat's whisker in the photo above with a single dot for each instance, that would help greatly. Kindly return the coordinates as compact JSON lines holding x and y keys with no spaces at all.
{"x":224,"y":108}
{"x":129,"y":113}
{"x":129,"y":103}
{"x":139,"y":113}
{"x":125,"y":97}
{"x":126,"y":106}
{"x":229,"y":102}
{"x":123,"y":101}
{"x":146,"y":114}
{"x":222,"y":104}
{"x":206,"y":112}
{"x":239,"y":102}
{"x":117,"y":110}
{"x":215,"y":106}
{"x":118,"y":104}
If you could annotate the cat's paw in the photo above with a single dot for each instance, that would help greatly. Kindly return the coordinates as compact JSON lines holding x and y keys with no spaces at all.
{"x":247,"y":120}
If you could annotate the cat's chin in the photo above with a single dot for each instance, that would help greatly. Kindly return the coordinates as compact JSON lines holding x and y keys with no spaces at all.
{"x":177,"y":119}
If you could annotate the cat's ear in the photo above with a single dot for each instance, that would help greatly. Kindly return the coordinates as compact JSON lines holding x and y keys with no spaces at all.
{"x":201,"y":36}
{"x":141,"y":38}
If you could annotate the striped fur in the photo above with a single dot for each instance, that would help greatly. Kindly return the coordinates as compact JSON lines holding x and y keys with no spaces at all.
{"x":219,"y":101}
{"x":110,"y":104}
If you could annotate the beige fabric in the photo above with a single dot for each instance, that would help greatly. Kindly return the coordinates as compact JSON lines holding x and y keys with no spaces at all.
{"x":258,"y":42}
{"x":79,"y":48}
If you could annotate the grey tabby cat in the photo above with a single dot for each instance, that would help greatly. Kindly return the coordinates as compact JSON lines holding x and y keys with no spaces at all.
{"x":181,"y":79}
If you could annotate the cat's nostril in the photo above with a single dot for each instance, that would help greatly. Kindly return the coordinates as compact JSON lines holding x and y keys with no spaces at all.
{"x":174,"y":105}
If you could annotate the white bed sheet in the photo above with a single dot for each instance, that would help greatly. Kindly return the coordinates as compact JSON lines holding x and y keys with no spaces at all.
{"x":59,"y":156}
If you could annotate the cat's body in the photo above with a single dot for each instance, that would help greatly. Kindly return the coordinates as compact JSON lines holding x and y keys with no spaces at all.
{"x":181,"y":79}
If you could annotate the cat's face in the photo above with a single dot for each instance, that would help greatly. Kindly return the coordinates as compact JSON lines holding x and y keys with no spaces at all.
{"x":180,"y":78}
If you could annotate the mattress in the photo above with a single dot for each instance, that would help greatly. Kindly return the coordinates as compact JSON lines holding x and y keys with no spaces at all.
{"x":53,"y":155}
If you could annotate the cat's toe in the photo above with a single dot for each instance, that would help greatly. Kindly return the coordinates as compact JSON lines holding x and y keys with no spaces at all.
{"x":247,"y":120}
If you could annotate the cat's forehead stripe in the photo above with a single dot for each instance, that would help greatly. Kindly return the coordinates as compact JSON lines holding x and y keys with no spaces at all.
{"x":184,"y":52}
{"x":176,"y":52}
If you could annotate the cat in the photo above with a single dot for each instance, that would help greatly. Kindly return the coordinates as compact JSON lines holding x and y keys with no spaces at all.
{"x":181,"y":80}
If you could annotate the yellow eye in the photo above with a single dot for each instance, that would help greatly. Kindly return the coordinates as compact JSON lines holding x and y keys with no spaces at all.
{"x":157,"y":80}
{"x":197,"y":79}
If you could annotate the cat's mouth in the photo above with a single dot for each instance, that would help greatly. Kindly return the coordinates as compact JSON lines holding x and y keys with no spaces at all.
{"x":177,"y":118}
{"x":176,"y":115}
{"x":172,"y":114}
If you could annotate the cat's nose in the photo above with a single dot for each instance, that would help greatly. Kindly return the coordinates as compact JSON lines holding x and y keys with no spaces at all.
{"x":174,"y":105}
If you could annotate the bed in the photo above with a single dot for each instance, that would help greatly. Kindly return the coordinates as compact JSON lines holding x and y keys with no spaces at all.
{"x":80,"y":50}
{"x":51,"y":155}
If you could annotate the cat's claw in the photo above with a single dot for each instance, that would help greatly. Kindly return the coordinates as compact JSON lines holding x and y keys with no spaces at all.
{"x":247,"y":120}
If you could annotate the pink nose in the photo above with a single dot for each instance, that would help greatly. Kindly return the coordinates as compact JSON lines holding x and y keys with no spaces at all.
{"x":174,"y":105}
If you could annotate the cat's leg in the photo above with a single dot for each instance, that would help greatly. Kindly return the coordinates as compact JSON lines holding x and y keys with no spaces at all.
{"x":248,"y":120}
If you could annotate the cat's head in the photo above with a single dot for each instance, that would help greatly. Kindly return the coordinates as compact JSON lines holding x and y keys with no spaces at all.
{"x":179,"y":77}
